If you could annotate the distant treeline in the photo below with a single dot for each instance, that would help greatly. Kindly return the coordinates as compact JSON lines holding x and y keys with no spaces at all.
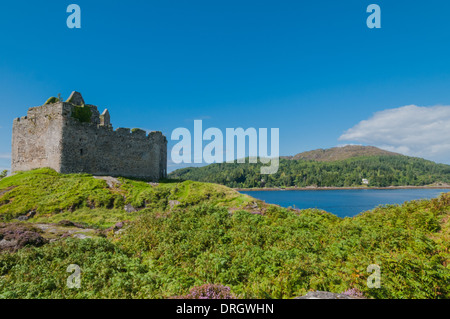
{"x":380,"y":171}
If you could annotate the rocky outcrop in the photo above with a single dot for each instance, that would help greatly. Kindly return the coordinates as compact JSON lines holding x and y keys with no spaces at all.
{"x":129,"y":208}
{"x":326,"y":295}
{"x":27,"y":216}
{"x":173,"y":203}
{"x":112,"y":182}
{"x":65,"y":228}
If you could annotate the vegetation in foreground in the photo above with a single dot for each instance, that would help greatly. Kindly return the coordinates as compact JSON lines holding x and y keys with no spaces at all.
{"x":380,"y":170}
{"x":190,"y":234}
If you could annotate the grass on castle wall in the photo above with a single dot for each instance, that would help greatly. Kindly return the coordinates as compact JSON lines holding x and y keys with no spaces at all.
{"x":82,"y":113}
{"x":51,"y":100}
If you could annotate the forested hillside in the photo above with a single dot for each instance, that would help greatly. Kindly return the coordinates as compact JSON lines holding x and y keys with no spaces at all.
{"x":381,"y":171}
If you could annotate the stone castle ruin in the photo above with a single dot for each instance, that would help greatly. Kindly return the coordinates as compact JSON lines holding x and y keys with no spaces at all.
{"x":73,"y":137}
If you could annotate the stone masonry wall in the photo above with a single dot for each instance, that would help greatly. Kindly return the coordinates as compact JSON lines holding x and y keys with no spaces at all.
{"x":99,"y":150}
{"x":36,"y":138}
{"x":50,"y":137}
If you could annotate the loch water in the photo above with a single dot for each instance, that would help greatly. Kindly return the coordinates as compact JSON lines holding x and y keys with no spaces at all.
{"x":345,"y":202}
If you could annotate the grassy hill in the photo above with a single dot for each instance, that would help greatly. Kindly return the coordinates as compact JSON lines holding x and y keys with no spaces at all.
{"x":99,"y":202}
{"x":162,"y":240}
{"x":341,"y":153}
{"x":316,"y":168}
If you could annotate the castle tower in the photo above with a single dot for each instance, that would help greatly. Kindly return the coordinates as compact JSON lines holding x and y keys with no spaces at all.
{"x":75,"y":98}
{"x":72,"y":137}
{"x":105,"y":119}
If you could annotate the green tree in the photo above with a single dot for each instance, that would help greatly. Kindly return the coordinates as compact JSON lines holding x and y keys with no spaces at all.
{"x":3,"y":174}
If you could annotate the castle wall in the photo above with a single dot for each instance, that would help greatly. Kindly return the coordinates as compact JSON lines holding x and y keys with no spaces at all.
{"x":36,"y":138}
{"x":50,"y":137}
{"x":99,"y":150}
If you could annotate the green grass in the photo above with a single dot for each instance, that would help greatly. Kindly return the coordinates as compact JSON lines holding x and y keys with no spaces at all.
{"x":51,"y":100}
{"x":50,"y":193}
{"x":107,"y":272}
{"x":97,"y":218}
{"x":212,"y":236}
{"x":83,"y":198}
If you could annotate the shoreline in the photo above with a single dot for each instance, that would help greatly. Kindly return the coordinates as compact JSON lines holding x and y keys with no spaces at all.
{"x":336,"y":188}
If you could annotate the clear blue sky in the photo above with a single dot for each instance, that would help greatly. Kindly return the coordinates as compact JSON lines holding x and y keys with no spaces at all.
{"x":311,"y":68}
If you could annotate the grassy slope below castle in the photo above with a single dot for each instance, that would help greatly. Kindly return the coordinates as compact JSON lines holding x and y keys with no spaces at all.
{"x":380,"y":170}
{"x":186,"y":234}
{"x":83,"y":198}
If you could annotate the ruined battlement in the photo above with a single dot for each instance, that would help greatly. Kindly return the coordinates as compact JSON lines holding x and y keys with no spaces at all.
{"x":73,"y":137}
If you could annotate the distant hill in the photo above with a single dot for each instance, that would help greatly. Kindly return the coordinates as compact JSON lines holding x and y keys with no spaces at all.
{"x":335,"y":167}
{"x":340,"y":153}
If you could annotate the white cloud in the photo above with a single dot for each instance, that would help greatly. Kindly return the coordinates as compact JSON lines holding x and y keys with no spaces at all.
{"x":5,"y":155}
{"x":348,"y":144}
{"x":411,"y":130}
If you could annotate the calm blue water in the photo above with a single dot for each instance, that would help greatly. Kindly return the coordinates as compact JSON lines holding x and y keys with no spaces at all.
{"x":343,"y":203}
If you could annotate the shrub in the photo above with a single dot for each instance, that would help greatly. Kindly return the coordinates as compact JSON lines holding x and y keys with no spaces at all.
{"x":353,"y":292}
{"x":52,"y":100}
{"x":209,"y":291}
{"x":82,"y":113}
{"x":14,"y":236}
